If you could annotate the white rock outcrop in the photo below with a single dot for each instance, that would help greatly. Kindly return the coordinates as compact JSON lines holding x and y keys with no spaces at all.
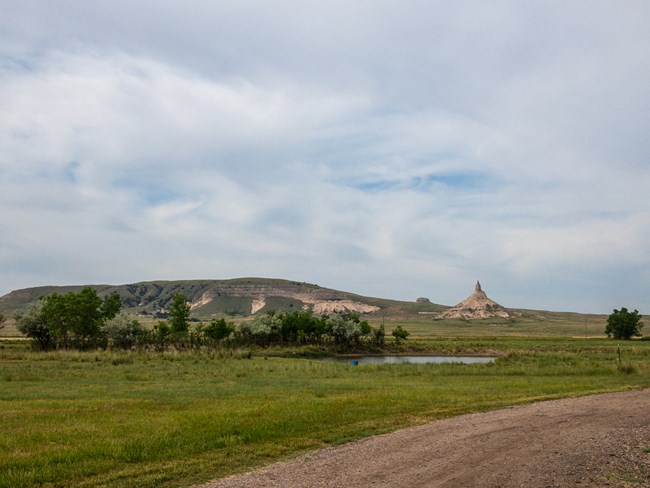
{"x":477,"y":306}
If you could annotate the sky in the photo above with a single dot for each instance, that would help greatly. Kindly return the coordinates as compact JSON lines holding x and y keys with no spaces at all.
{"x":396,"y":149}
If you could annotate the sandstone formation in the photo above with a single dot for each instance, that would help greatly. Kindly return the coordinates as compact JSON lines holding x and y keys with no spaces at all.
{"x":321,"y":300}
{"x":477,"y":306}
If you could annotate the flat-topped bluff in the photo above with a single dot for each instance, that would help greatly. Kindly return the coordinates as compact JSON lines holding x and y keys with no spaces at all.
{"x":241,"y":296}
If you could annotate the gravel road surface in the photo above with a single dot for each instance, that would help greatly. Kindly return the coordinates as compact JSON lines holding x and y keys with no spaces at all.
{"x":594,"y":441}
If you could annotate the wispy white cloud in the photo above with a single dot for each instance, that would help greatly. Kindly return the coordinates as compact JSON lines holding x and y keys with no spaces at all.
{"x":397,"y":150}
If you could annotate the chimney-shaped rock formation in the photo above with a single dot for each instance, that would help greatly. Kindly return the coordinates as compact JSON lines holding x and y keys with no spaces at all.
{"x":477,"y":306}
{"x":478,"y":292}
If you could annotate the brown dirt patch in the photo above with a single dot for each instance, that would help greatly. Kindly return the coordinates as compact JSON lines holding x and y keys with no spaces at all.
{"x":594,"y":441}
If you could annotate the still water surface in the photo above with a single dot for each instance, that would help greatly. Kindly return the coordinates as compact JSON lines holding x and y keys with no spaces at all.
{"x":413,"y":359}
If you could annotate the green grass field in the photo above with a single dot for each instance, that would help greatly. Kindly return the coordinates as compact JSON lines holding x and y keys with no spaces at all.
{"x":529,"y":323}
{"x":175,"y":419}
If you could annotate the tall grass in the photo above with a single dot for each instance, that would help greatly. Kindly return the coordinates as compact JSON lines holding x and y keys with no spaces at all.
{"x":174,"y":419}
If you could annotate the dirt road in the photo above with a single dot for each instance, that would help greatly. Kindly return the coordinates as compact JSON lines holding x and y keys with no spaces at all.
{"x":595,"y":441}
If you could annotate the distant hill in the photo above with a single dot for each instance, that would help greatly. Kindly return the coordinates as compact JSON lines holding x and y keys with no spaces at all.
{"x":236,"y":297}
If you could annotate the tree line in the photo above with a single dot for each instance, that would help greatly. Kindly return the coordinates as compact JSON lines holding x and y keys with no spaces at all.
{"x":85,"y":321}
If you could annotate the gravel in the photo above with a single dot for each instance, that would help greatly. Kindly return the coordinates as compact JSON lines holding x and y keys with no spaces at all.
{"x":593,"y":441}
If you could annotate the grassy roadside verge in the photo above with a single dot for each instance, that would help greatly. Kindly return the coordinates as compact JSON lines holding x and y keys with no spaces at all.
{"x":150,"y":419}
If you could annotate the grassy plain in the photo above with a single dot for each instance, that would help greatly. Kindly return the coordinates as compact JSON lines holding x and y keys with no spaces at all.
{"x":529,"y":323}
{"x":174,"y":419}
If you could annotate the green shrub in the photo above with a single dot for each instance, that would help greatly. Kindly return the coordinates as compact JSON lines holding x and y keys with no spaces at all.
{"x":400,"y":334}
{"x":122,"y":332}
{"x":218,"y":330}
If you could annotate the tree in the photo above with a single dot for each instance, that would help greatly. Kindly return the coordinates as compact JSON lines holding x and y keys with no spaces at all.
{"x":76,"y":319}
{"x":622,"y":324}
{"x":70,"y":320}
{"x":2,"y":321}
{"x":179,"y":314}
{"x":400,"y":334}
{"x":300,"y":326}
{"x":159,"y":335}
{"x":378,"y":336}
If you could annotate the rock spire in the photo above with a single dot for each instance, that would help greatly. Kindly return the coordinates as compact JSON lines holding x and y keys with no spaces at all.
{"x":478,"y":292}
{"x":476,"y":306}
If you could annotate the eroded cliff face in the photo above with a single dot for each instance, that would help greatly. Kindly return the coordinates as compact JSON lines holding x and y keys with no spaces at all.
{"x":477,"y":306}
{"x":208,"y":298}
{"x":321,"y":300}
{"x":298,"y":291}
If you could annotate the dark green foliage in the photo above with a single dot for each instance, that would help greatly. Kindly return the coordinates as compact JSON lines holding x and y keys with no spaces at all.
{"x":83,"y":320}
{"x":400,"y":334}
{"x":159,"y":335}
{"x":73,"y":320}
{"x":179,"y":314}
{"x":111,"y":306}
{"x":622,"y":324}
{"x":378,"y":336}
{"x":301,"y":326}
{"x":218,"y":330}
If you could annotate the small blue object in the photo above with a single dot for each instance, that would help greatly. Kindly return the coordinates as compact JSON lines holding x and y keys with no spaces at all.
{"x":354,"y":362}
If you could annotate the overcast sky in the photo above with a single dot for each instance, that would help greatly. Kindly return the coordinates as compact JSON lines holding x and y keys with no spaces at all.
{"x":396,"y":149}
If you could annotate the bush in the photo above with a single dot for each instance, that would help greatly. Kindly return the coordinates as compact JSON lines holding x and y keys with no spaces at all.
{"x":345,"y":332}
{"x":262,"y":330}
{"x":378,"y":336}
{"x":32,"y":323}
{"x":218,"y":330}
{"x":303,"y":327}
{"x":158,"y":336}
{"x":400,"y":334}
{"x":122,"y":332}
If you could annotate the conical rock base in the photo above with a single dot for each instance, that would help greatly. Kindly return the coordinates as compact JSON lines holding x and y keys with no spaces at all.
{"x":477,"y":306}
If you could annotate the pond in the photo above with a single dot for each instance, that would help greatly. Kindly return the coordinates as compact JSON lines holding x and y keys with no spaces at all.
{"x":411,"y":359}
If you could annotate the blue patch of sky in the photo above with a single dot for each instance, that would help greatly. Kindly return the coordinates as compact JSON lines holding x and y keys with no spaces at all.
{"x":71,"y":171}
{"x":455,"y":180}
{"x":281,"y":219}
{"x":379,"y":185}
{"x":30,"y":63}
{"x":9,"y":63}
{"x":150,"y":192}
{"x":426,"y":182}
{"x":344,"y":152}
